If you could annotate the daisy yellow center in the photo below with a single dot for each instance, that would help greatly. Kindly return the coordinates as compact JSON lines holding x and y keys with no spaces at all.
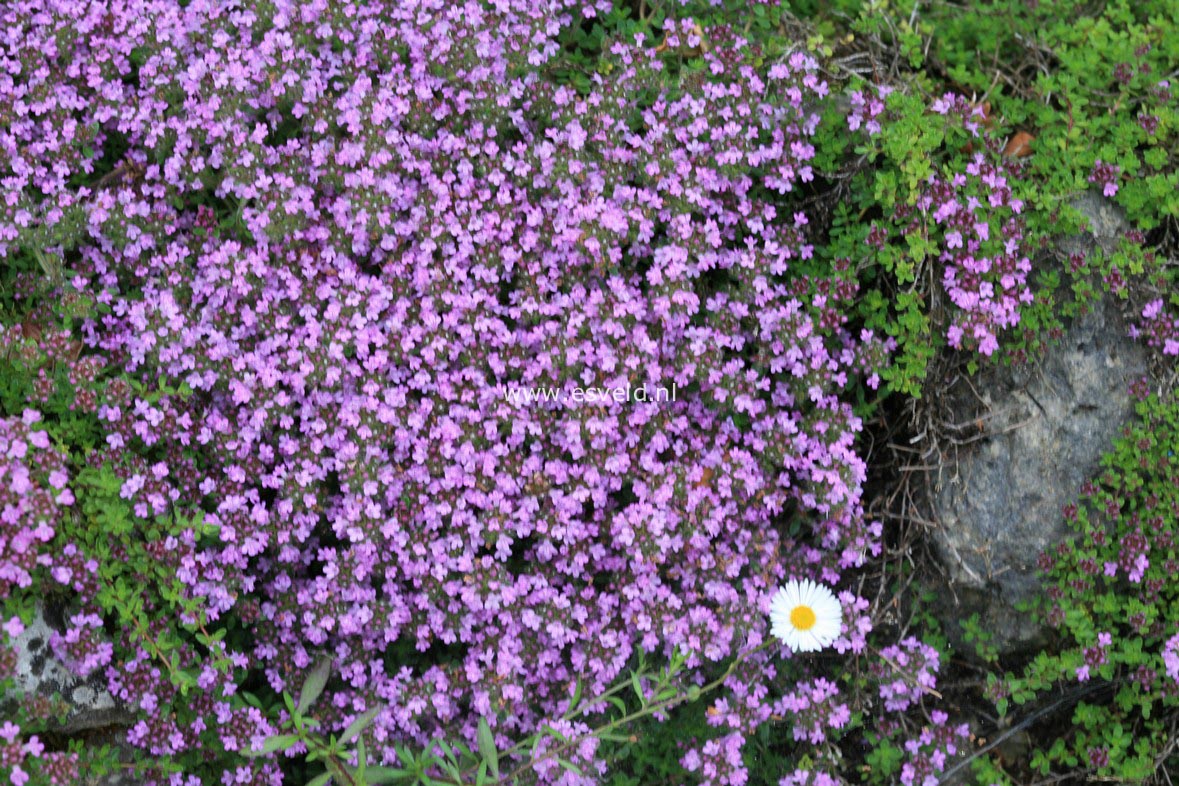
{"x":802,"y":617}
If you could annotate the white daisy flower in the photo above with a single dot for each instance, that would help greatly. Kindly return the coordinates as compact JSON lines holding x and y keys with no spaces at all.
{"x":806,"y":616}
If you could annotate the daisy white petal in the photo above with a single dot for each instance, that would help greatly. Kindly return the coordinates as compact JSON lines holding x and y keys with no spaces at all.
{"x":806,"y":616}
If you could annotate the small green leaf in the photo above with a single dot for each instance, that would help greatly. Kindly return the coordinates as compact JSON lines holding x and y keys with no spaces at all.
{"x":573,"y":768}
{"x":279,"y":742}
{"x":314,"y":684}
{"x":359,"y":724}
{"x":638,"y":686}
{"x":558,"y":735}
{"x":666,"y":694}
{"x":487,"y":747}
{"x":611,"y":737}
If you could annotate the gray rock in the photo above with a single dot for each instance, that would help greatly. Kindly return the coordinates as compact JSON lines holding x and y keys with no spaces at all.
{"x":1107,"y":222}
{"x":39,"y":675}
{"x":1026,"y":439}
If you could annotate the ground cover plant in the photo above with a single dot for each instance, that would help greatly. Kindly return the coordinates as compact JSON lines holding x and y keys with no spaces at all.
{"x":274,"y":275}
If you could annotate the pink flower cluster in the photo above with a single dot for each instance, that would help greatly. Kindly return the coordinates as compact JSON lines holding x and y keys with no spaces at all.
{"x":33,"y":490}
{"x":52,"y":357}
{"x":1158,"y":328}
{"x":930,"y":752}
{"x":1133,"y":556}
{"x":908,"y":671}
{"x":986,"y":267}
{"x":25,"y":758}
{"x":1094,"y":656}
{"x":1171,"y":657}
{"x":976,"y":231}
{"x":810,"y":778}
{"x":547,"y":766}
{"x":336,"y":235}
{"x":815,"y":708}
{"x":867,"y":107}
{"x":1106,"y":176}
{"x":857,"y":624}
{"x":82,"y":647}
{"x":719,"y":761}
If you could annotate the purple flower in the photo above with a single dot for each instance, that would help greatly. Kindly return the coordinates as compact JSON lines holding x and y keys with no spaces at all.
{"x":1171,"y":657}
{"x":319,"y":372}
{"x":14,"y":627}
{"x":1105,"y":175}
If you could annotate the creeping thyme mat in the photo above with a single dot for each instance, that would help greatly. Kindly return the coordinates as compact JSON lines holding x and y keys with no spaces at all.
{"x":281,"y":283}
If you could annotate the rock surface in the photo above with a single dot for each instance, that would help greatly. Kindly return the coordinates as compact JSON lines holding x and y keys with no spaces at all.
{"x":1031,"y":436}
{"x":41,"y":677}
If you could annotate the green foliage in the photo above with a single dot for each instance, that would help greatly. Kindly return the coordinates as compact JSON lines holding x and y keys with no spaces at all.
{"x":1127,"y":525}
{"x":985,"y":771}
{"x":134,"y":581}
{"x":343,"y":757}
{"x":884,"y":758}
{"x":622,"y":716}
{"x":886,"y":178}
{"x":136,"y":587}
{"x":1094,"y":71}
{"x":974,"y":633}
{"x":1085,"y":82}
{"x":653,"y":749}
